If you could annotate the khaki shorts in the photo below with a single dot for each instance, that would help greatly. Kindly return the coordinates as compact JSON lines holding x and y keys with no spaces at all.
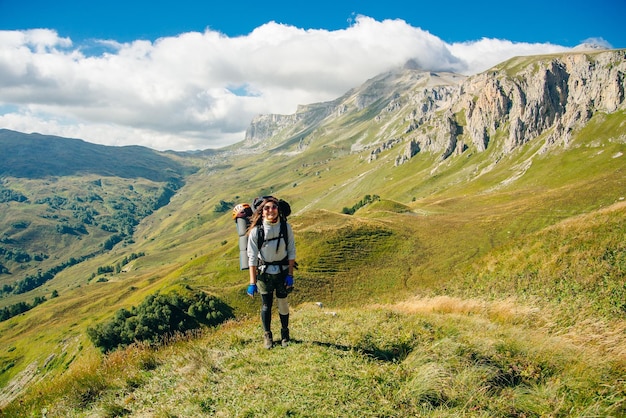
{"x":267,"y":283}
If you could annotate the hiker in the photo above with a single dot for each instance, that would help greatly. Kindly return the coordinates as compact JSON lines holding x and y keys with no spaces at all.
{"x":271,"y":260}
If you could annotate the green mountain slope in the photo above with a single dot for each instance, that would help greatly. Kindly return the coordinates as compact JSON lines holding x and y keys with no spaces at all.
{"x":37,"y":156}
{"x":65,"y":201}
{"x":483,"y":225}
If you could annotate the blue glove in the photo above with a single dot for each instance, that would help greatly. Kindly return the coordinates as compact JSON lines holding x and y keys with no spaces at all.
{"x":252,"y":289}
{"x":289,"y":280}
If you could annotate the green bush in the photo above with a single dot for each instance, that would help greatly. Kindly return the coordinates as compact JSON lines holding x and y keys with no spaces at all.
{"x":157,"y":316}
{"x":223,"y":206}
{"x":367,"y":199}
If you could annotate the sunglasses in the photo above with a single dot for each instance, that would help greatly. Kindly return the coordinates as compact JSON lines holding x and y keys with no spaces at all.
{"x":268,"y":207}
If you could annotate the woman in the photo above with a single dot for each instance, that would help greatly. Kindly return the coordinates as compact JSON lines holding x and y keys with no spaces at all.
{"x":271,"y":260}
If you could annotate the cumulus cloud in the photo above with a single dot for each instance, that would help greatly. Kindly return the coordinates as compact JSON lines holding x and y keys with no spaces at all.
{"x":201,"y":90}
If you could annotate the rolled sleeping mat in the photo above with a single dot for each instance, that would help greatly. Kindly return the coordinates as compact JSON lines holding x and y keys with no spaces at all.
{"x":242,"y":226}
{"x":243,"y":252}
{"x":241,"y":215}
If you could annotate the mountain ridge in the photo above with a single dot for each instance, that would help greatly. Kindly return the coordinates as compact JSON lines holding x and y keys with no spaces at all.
{"x":38,"y":156}
{"x":559,"y":93}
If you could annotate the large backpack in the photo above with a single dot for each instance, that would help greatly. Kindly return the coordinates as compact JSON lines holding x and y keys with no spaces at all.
{"x":242,"y":214}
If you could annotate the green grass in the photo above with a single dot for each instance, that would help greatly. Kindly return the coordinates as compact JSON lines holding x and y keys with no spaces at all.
{"x":422,"y":357}
{"x":578,"y":264}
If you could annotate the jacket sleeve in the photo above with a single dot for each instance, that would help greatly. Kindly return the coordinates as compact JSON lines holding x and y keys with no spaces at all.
{"x":253,"y":248}
{"x":291,"y":250}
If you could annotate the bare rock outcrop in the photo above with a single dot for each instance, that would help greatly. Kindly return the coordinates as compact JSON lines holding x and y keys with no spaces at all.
{"x":443,"y":113}
{"x":554,"y":95}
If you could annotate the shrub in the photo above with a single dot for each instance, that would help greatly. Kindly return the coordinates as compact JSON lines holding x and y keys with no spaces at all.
{"x":158,"y":316}
{"x":367,"y":199}
{"x":223,"y":206}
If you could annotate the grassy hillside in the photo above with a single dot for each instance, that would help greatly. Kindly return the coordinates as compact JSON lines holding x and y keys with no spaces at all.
{"x":486,"y":284}
{"x":65,"y":200}
{"x":420,"y":357}
{"x":41,"y":156}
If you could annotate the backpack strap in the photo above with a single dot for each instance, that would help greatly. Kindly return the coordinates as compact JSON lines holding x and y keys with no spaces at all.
{"x":260,"y":239}
{"x":260,"y":235}
{"x":283,"y":262}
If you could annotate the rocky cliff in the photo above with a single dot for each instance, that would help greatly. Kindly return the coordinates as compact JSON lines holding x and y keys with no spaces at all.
{"x":519,"y":100}
{"x":553,"y":95}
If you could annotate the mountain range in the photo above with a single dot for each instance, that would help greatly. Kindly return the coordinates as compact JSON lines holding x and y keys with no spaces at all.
{"x":414,"y":183}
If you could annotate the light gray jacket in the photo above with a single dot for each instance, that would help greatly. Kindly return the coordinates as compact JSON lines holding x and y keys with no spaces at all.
{"x":268,"y":252}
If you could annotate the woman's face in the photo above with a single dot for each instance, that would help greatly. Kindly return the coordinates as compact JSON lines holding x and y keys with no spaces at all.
{"x":270,"y":211}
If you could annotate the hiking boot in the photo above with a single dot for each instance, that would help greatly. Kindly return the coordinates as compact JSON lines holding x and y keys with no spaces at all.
{"x":284,"y":337}
{"x":268,"y":342}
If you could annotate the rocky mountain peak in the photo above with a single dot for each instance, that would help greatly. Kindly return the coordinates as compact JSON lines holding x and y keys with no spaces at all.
{"x":444,"y":113}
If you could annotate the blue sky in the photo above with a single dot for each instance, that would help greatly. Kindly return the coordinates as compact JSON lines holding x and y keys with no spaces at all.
{"x":192,"y":74}
{"x":566,"y":23}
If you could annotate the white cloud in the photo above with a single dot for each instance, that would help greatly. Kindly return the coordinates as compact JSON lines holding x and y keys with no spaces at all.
{"x":478,"y":56}
{"x":201,"y":90}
